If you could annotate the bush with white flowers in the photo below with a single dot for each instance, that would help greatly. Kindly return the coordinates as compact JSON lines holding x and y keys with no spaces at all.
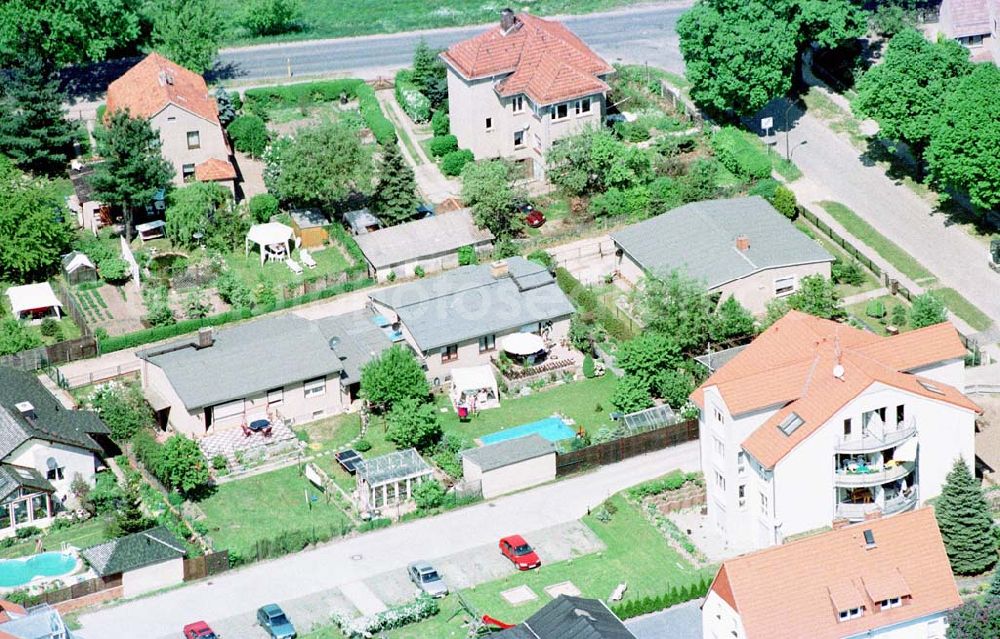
{"x":423,"y":607}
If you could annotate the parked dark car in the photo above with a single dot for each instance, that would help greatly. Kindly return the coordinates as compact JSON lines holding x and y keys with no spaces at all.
{"x":275,"y":622}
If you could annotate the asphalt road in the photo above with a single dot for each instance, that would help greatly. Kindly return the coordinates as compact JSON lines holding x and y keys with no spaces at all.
{"x":639,"y":35}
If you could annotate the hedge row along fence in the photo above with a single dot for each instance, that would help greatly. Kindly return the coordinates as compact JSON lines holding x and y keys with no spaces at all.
{"x":674,"y":596}
{"x":587,"y":301}
{"x":150,"y":335}
{"x":293,"y":95}
{"x":408,"y":95}
{"x":739,"y":155}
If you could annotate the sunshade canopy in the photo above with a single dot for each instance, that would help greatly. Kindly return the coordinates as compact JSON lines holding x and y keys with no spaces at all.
{"x":523,"y":344}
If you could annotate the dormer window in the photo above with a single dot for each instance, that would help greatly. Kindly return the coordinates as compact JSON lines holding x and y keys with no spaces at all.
{"x":851,"y":613}
{"x":891,"y":602}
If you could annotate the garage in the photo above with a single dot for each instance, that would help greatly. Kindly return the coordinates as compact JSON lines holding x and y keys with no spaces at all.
{"x":510,"y":465}
{"x":144,"y":561}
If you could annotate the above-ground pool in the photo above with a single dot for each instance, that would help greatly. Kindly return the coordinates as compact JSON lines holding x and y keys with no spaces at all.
{"x":553,"y":429}
{"x":17,"y":572}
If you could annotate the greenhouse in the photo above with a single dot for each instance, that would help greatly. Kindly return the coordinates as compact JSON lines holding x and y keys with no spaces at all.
{"x":649,"y":419}
{"x":389,"y":480}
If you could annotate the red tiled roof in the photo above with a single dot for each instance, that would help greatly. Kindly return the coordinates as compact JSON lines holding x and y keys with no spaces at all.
{"x":790,"y":365}
{"x":214,"y":169}
{"x":544,"y":60}
{"x":818,"y":576}
{"x":969,"y":17}
{"x":7,"y":607}
{"x":151,"y":85}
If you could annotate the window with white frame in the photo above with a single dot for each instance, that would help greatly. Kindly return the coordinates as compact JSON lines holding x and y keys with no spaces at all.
{"x":187,"y":171}
{"x":314,"y":387}
{"x":194,"y":140}
{"x":784,"y":285}
{"x":582,"y":107}
{"x":720,"y":481}
{"x":538,"y":141}
{"x":449,"y":353}
{"x":487,"y":343}
{"x":851,"y":613}
{"x":718,"y":414}
{"x":741,"y":462}
{"x":560,"y":112}
{"x":891,"y":602}
{"x":517,"y":104}
{"x":275,"y":396}
{"x":741,"y":494}
{"x":720,"y":448}
{"x":518,"y":139}
{"x":489,"y":124}
{"x":55,"y":470}
{"x":765,"y":508}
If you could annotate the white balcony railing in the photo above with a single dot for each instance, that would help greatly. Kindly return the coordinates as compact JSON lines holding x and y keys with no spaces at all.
{"x":870,"y":441}
{"x":881,"y":476}
{"x":893,"y":505}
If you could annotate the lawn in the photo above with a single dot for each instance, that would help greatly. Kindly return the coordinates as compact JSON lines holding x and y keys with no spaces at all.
{"x":82,"y":535}
{"x":329,"y":261}
{"x":890,"y":302}
{"x":636,"y":554}
{"x":846,"y":290}
{"x":878,"y":242}
{"x":342,"y":18}
{"x":963,"y":308}
{"x":67,"y":330}
{"x":265,"y":506}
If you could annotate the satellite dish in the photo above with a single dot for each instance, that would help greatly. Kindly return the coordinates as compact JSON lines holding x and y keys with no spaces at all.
{"x":334,"y":342}
{"x":838,"y":371}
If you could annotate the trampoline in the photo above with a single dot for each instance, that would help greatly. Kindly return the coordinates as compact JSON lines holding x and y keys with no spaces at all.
{"x":553,"y":429}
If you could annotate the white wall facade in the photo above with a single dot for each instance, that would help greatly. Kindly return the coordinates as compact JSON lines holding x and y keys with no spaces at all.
{"x":173,"y":124}
{"x":35,"y":453}
{"x":155,"y":577}
{"x":507,"y":479}
{"x":719,"y":620}
{"x":430,"y":264}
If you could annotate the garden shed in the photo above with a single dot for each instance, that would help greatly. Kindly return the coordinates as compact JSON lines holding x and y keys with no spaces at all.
{"x":362,"y":221}
{"x":77,"y":268}
{"x":389,"y":480}
{"x":474,"y":388}
{"x":34,"y":301}
{"x":309,"y":226}
{"x":510,"y":465}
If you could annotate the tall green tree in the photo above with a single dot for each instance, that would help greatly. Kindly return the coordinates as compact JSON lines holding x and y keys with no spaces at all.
{"x":906,"y":92}
{"x":927,"y":310}
{"x":188,"y":32}
{"x":33,"y":234}
{"x":133,"y":169}
{"x":193,"y":209}
{"x":817,"y":296}
{"x":182,"y":465}
{"x":975,"y":619}
{"x":15,"y":337}
{"x":128,"y":515}
{"x":395,"y":198}
{"x":393,"y":376}
{"x":595,"y":161}
{"x":966,"y":522}
{"x":994,"y":590}
{"x":321,"y":165}
{"x":34,"y":131}
{"x":430,"y":75}
{"x":489,"y":188}
{"x":676,"y":305}
{"x":962,"y":155}
{"x":741,"y":54}
{"x":413,"y":423}
{"x":731,"y":320}
{"x":646,"y":356}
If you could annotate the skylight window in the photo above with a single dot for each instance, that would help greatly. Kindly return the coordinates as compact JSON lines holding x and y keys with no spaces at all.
{"x":790,"y":423}
{"x":25,"y":473}
{"x":931,"y":387}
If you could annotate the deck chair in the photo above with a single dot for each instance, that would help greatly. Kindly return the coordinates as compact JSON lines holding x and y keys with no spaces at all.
{"x":294,"y":266}
{"x":307,"y":258}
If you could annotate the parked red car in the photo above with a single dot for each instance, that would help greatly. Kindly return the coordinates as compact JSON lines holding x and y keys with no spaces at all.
{"x":519,"y":552}
{"x":199,"y":630}
{"x":532,"y":216}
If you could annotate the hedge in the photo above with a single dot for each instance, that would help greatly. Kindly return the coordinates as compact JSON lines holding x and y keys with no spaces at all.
{"x":266,"y":98}
{"x":442,"y":145}
{"x":741,"y":156}
{"x":674,"y":596}
{"x":585,"y":299}
{"x":408,"y":95}
{"x":339,"y":233}
{"x":453,"y":163}
{"x":150,"y":335}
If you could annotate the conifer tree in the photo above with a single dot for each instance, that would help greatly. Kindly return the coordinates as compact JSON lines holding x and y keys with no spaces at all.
{"x":395,"y":196}
{"x":966,"y":522}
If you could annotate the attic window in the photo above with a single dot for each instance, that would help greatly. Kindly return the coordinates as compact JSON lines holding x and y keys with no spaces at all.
{"x":790,"y":423}
{"x":891,"y":602}
{"x":869,"y":538}
{"x":851,"y":613}
{"x":24,"y":473}
{"x":930,"y":387}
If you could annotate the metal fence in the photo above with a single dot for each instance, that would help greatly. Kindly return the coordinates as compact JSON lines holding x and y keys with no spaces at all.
{"x":841,"y":242}
{"x":97,"y":376}
{"x":619,"y":449}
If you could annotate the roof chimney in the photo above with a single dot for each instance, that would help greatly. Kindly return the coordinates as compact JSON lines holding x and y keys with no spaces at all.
{"x":206,"y":337}
{"x":507,"y":20}
{"x":27,"y":411}
{"x":742,"y":243}
{"x":499,"y":269}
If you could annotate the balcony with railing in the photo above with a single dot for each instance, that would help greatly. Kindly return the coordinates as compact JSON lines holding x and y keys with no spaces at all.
{"x":875,"y":437}
{"x":897,"y":504}
{"x":862,"y":475}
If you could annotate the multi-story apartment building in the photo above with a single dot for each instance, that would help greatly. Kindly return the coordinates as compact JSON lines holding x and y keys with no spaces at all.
{"x":816,"y":422}
{"x":522,"y":85}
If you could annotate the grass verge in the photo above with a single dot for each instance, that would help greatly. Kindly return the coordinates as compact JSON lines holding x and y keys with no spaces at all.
{"x":963,"y":308}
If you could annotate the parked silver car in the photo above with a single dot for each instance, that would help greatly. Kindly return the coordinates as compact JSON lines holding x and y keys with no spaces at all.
{"x":427,"y":579}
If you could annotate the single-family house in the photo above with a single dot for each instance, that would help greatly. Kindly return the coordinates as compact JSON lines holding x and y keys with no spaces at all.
{"x":38,"y":622}
{"x":567,"y":617}
{"x":141,"y":562}
{"x":740,"y":247}
{"x":456,"y":318}
{"x":886,"y":578}
{"x":973,"y":23}
{"x":510,"y":465}
{"x":432,"y":243}
{"x":517,"y":88}
{"x":179,"y":107}
{"x":816,"y":422}
{"x":283,"y":367}
{"x":43,"y":448}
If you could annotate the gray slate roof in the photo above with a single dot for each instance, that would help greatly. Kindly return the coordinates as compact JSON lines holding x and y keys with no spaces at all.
{"x":14,"y":477}
{"x":700,"y":238}
{"x":422,"y":239}
{"x":511,"y":451}
{"x":245,"y":359}
{"x":468,"y":302}
{"x":359,"y":341}
{"x":570,"y":618}
{"x":137,"y":550}
{"x":53,"y":422}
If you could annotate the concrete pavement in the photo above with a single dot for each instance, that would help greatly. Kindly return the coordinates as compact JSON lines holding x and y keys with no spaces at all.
{"x":349,"y":560}
{"x":682,"y":621}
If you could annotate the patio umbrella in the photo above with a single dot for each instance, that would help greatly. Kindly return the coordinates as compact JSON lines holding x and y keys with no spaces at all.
{"x":523,"y":344}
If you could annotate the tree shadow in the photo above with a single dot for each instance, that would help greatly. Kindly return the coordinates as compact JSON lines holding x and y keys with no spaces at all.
{"x":224,"y":71}
{"x":90,"y":81}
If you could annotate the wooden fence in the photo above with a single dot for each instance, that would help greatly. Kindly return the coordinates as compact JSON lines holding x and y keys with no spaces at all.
{"x":632,"y":446}
{"x":206,"y":565}
{"x":77,"y":590}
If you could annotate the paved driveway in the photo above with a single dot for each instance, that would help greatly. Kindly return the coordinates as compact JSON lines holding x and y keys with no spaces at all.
{"x":365,"y":556}
{"x":680,"y":622}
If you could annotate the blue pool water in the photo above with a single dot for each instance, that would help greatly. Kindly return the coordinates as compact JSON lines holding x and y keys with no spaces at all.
{"x":17,"y":572}
{"x":551,"y":428}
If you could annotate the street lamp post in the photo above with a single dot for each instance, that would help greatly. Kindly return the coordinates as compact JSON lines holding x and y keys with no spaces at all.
{"x":788,"y":132}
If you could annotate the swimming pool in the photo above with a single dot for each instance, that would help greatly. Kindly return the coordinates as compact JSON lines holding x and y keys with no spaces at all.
{"x":17,"y":572}
{"x":553,"y":429}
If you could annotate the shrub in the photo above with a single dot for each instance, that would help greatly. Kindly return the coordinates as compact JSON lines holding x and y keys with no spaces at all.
{"x":50,"y":327}
{"x":442,"y":145}
{"x":440,"y":123}
{"x":669,"y":482}
{"x":428,"y":495}
{"x":740,"y":155}
{"x":765,"y":188}
{"x":419,"y":271}
{"x":467,"y":256}
{"x":114,"y":270}
{"x":249,"y":135}
{"x":362,"y":445}
{"x":219,"y":462}
{"x":263,"y":206}
{"x":540,"y":256}
{"x":28,"y":531}
{"x":423,"y":607}
{"x":631,"y":395}
{"x":123,"y":408}
{"x":158,"y":312}
{"x":585,"y":299}
{"x":453,"y":163}
{"x":588,"y":366}
{"x":875,"y":308}
{"x":579,"y":334}
{"x":847,"y":272}
{"x":631,"y":131}
{"x":898,"y":316}
{"x":414,"y":103}
{"x":785,"y":203}
{"x":270,"y":17}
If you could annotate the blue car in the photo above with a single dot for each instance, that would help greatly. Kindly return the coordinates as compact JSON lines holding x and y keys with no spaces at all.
{"x":274,"y":620}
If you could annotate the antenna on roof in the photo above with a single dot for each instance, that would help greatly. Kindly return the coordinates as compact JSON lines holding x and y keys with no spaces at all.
{"x":838,"y":369}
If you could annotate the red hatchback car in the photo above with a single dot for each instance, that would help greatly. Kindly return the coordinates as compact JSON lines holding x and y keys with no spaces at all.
{"x":519,"y":552}
{"x":199,"y":630}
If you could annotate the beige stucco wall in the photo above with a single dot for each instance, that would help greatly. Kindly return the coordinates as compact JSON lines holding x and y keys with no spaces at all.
{"x":508,"y":479}
{"x":173,"y":124}
{"x":35,"y":453}
{"x":155,"y":577}
{"x":431,"y":264}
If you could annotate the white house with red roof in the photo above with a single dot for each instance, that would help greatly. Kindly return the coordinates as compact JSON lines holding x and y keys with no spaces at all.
{"x":886,"y":578}
{"x":516,"y":88}
{"x":816,"y":422}
{"x":179,"y":107}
